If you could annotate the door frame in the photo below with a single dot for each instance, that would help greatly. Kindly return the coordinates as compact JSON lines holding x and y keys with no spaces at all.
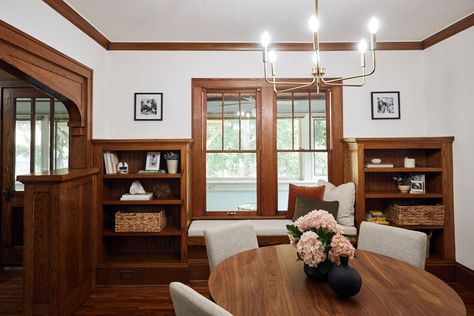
{"x":58,"y":75}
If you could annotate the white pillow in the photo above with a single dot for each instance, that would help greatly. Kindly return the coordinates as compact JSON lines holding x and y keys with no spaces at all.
{"x":345,"y":195}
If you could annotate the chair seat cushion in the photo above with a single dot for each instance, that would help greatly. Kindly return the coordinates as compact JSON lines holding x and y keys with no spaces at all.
{"x":263,"y":227}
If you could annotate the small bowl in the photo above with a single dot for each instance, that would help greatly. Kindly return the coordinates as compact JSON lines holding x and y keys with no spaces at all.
{"x":376,"y":161}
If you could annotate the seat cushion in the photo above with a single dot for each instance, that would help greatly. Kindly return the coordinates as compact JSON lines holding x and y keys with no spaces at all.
{"x":263,"y":227}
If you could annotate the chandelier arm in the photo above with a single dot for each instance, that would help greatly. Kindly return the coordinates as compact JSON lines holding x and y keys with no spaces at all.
{"x":331,"y":83}
{"x":292,"y":83}
{"x":363,"y":75}
{"x":294,"y":88}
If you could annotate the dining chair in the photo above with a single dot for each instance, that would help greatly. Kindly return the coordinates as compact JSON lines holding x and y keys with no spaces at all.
{"x":228,"y":240}
{"x":399,"y":243}
{"x":188,"y":302}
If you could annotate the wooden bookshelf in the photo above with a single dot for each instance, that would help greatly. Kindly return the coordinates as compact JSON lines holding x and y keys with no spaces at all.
{"x":376,"y":190}
{"x":142,"y":257}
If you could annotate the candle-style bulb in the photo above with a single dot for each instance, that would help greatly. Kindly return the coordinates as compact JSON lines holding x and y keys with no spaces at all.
{"x":363,"y":46}
{"x":315,"y":58}
{"x":265,"y":39}
{"x":373,"y":25}
{"x":313,"y":24}
{"x":272,"y":56}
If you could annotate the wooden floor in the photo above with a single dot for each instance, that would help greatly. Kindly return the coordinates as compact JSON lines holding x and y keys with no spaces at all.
{"x":132,"y":300}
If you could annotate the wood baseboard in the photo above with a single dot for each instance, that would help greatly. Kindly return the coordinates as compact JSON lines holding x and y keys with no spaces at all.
{"x":465,"y":276}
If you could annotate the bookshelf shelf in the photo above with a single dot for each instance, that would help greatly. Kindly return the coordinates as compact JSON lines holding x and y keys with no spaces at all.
{"x":146,"y":202}
{"x":401,"y":169}
{"x":142,"y":176}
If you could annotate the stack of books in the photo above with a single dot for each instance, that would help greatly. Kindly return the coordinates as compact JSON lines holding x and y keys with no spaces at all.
{"x":110,"y":161}
{"x":151,"y":171}
{"x":137,"y":197}
{"x":379,"y":165}
{"x":377,"y":217}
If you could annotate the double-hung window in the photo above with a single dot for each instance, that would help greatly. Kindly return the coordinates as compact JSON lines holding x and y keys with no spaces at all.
{"x":250,"y":144}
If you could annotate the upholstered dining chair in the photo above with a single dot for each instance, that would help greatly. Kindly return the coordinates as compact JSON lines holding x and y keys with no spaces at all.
{"x":188,"y":302}
{"x":403,"y":244}
{"x":228,"y":240}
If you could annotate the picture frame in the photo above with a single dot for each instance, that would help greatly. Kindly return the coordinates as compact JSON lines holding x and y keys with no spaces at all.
{"x":385,"y":105}
{"x":148,"y":106}
{"x":417,"y":184}
{"x":153,"y":161}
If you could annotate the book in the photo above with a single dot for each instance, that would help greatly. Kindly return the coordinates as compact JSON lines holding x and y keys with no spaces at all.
{"x":107,"y":163}
{"x":137,"y":197}
{"x":114,"y":161}
{"x":379,"y":165}
{"x":151,"y":171}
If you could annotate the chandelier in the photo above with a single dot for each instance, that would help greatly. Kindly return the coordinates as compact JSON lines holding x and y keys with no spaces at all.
{"x":317,"y":71}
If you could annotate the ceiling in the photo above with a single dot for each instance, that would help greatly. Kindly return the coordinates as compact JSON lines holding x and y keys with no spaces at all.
{"x":286,"y":20}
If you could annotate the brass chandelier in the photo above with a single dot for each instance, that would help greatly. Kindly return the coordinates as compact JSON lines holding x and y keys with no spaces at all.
{"x":317,"y":71}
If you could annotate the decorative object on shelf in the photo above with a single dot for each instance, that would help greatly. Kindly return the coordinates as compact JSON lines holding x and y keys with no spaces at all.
{"x":172,"y":159}
{"x":376,"y":161}
{"x":122,"y":167}
{"x":417,"y":184}
{"x":153,"y":161}
{"x":140,"y":221}
{"x":409,"y":162}
{"x":164,"y":191}
{"x":319,"y":242}
{"x":385,"y":105}
{"x":377,"y":217}
{"x":408,"y":214}
{"x":110,"y":162}
{"x":378,"y":165}
{"x":317,"y":71}
{"x":403,"y":181}
{"x":137,"y":188}
{"x":148,"y":107}
{"x":344,"y":280}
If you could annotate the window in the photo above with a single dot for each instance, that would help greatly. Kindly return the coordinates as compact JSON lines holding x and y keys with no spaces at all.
{"x":41,"y":136}
{"x":250,"y":143}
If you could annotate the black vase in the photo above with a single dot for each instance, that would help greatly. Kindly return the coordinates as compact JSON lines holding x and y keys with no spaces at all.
{"x":344,"y":280}
{"x":320,"y":273}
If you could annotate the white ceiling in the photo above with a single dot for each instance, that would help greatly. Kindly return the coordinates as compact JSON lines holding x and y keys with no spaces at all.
{"x":286,"y":20}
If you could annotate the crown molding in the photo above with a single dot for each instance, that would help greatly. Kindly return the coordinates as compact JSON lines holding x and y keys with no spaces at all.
{"x":75,"y":18}
{"x":449,"y":31}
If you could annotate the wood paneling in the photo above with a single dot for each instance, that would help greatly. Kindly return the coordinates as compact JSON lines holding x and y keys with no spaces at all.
{"x":59,"y":243}
{"x":58,"y":75}
{"x":409,"y":289}
{"x":465,"y":276}
{"x":449,"y":31}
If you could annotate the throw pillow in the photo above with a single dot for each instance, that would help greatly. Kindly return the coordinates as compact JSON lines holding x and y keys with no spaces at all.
{"x":345,"y":194}
{"x":299,"y":190}
{"x":304,"y":205}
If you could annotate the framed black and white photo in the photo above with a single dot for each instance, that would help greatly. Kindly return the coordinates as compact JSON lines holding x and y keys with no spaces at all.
{"x":148,"y":107}
{"x":386,"y":105}
{"x":152,"y":160}
{"x":417,"y":184}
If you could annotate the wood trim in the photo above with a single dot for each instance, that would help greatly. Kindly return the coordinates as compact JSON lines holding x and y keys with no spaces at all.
{"x":449,"y":31}
{"x":430,"y":140}
{"x":141,"y":141}
{"x":59,"y":175}
{"x":465,"y":276}
{"x":75,"y":18}
{"x":250,"y":46}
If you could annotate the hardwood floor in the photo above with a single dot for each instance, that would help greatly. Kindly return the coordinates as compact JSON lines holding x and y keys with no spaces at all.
{"x":132,"y":300}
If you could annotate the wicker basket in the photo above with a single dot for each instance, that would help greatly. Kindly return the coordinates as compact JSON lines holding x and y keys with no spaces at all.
{"x":415,"y":214}
{"x":140,"y":222}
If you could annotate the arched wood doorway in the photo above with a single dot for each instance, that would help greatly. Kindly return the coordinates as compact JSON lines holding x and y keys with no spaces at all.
{"x":60,"y":76}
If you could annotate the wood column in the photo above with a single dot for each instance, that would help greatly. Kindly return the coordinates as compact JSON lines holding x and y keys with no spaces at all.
{"x":59,"y":240}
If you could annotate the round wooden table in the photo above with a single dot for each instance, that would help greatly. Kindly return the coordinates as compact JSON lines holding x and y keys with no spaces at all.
{"x":269,"y":281}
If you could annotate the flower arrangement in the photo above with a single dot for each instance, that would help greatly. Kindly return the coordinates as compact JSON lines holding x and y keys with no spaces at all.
{"x":402,"y":179}
{"x":319,"y":240}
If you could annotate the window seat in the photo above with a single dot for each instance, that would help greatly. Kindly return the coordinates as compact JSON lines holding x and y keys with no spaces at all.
{"x":265,"y":229}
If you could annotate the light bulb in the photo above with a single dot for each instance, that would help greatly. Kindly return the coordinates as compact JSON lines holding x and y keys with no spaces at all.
{"x":315,"y":58}
{"x":272,"y":56}
{"x":313,"y":24}
{"x":373,"y":25}
{"x":265,"y":39}
{"x":363,"y":46}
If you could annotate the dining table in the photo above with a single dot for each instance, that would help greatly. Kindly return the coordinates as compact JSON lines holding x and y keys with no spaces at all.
{"x":271,"y":281}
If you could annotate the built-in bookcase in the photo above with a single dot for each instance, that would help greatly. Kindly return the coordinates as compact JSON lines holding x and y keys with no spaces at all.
{"x":142,"y":258}
{"x":376,"y":190}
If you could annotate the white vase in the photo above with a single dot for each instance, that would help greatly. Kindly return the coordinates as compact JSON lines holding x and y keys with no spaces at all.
{"x":172,"y":166}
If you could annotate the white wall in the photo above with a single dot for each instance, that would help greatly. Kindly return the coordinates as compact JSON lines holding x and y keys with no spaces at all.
{"x":450,"y":111}
{"x":171,"y":73}
{"x":37,"y":19}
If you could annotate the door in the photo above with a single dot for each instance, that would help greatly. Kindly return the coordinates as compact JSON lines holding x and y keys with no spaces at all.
{"x":35,"y":138}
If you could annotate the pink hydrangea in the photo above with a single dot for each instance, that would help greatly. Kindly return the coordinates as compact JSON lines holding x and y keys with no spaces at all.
{"x":317,"y":219}
{"x":340,"y":246}
{"x":310,"y":249}
{"x":292,"y":240}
